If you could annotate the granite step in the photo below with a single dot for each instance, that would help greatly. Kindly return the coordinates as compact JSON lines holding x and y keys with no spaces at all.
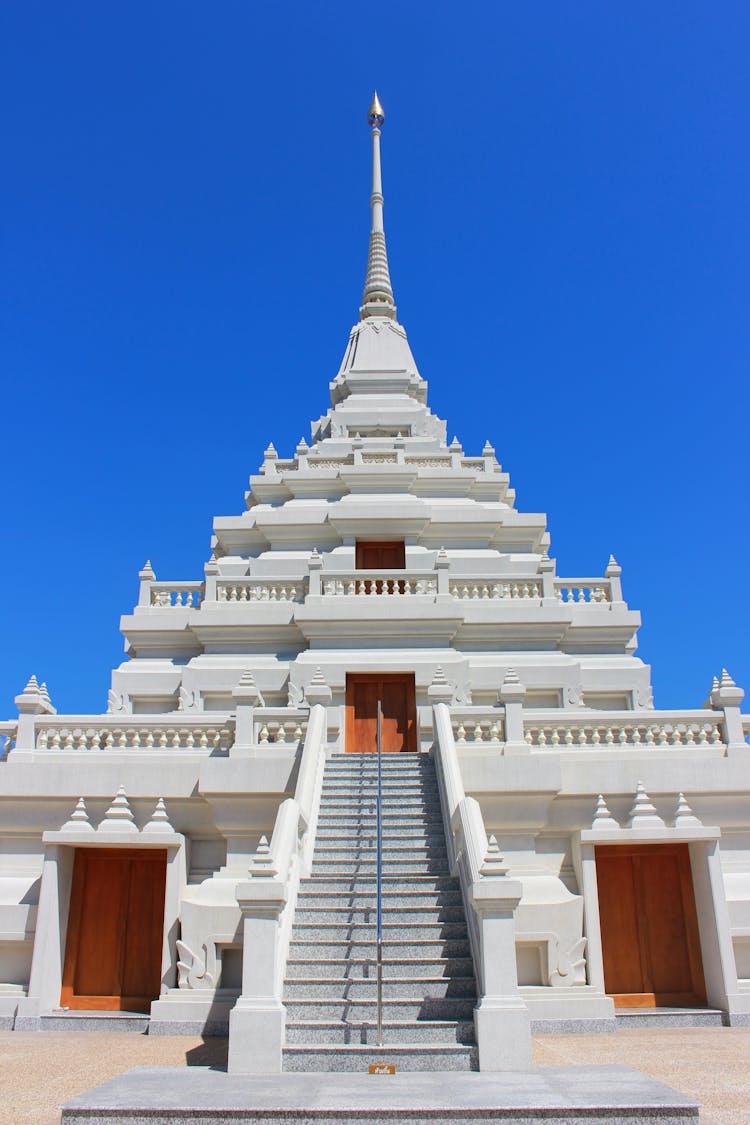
{"x":340,"y":968}
{"x":367,"y":883}
{"x":432,"y":1057}
{"x":366,"y":949}
{"x":400,"y":868}
{"x":362,"y":931}
{"x":394,"y":988}
{"x":346,"y":916}
{"x":396,"y":1008}
{"x":340,"y":900}
{"x":394,"y":1031}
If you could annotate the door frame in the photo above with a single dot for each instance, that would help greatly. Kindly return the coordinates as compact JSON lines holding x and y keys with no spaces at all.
{"x":720,"y":974}
{"x":101,"y":1002}
{"x":412,"y":729}
{"x":50,"y":938}
{"x":696,"y":995}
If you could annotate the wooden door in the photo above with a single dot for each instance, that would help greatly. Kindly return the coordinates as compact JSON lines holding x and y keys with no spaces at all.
{"x":380,"y":556}
{"x":398,"y":728}
{"x":649,"y":925}
{"x":114,"y":944}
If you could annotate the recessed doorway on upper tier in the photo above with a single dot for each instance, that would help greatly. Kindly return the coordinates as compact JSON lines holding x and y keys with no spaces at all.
{"x":398,"y":728}
{"x":374,"y":555}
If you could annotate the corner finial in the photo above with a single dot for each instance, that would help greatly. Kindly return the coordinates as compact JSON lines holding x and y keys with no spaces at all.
{"x":375,"y":114}
{"x":377,"y":299}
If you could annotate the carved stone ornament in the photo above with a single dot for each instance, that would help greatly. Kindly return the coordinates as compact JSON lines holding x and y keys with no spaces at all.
{"x":194,"y":971}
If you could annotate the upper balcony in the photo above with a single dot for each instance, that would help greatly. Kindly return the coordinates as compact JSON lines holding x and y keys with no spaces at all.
{"x":400,"y":605}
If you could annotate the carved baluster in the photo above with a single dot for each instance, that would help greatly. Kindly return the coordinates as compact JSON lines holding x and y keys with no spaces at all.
{"x":555,"y":739}
{"x":541,"y":737}
{"x":569,"y":737}
{"x":649,"y":736}
{"x":595,"y":737}
{"x":582,"y":736}
{"x":460,"y":733}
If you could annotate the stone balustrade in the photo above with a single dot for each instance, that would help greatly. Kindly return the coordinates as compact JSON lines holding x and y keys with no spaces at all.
{"x":363,"y":583}
{"x":259,"y":590}
{"x":279,"y":725}
{"x":477,"y":725}
{"x":469,"y":589}
{"x":176,"y":595}
{"x":211,"y":735}
{"x":430,"y":461}
{"x":618,"y":729}
{"x":583,"y":590}
{"x":379,"y":458}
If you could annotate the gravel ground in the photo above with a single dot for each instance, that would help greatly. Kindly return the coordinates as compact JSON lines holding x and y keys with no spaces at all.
{"x":41,"y":1070}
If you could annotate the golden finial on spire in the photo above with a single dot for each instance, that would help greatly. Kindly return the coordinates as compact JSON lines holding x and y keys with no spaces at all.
{"x":375,"y":114}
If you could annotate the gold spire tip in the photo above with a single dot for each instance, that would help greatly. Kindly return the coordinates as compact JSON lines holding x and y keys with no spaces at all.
{"x":375,"y":114}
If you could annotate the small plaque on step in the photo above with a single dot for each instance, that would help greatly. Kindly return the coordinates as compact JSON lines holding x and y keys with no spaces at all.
{"x":382,"y":1068}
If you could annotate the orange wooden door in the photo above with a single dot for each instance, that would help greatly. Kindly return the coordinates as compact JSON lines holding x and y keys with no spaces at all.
{"x":398,"y":728}
{"x":649,"y":925}
{"x":113,"y":949}
{"x":380,"y":556}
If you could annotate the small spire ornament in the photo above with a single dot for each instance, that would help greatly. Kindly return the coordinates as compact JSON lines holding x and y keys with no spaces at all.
{"x":119,"y":816}
{"x":494,"y":862}
{"x":684,"y":815}
{"x":79,"y":819}
{"x":159,"y":821}
{"x":603,"y":820}
{"x":643,"y":814}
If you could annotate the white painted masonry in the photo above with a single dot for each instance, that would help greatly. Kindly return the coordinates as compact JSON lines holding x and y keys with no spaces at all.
{"x":530,"y":698}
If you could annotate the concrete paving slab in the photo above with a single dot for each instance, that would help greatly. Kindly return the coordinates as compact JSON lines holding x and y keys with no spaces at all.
{"x":161,"y":1095}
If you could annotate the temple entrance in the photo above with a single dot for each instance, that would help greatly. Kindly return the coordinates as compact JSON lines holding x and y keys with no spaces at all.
{"x":649,"y":926}
{"x":114,"y":944}
{"x":399,"y":712}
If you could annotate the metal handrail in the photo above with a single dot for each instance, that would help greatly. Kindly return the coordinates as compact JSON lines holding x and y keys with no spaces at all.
{"x":380,"y":889}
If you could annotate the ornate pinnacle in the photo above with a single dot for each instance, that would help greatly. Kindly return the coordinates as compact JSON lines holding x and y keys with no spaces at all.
{"x":375,"y":114}
{"x":377,"y":299}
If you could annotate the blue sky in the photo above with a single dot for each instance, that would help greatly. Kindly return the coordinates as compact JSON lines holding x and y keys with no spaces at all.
{"x":185,"y":216}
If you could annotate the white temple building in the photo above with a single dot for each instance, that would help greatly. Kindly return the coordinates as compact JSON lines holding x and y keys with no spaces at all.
{"x":557,"y":854}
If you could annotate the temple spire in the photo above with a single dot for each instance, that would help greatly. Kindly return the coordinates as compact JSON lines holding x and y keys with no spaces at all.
{"x":378,"y":295}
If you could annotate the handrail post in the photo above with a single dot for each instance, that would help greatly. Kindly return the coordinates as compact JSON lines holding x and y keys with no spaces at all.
{"x":380,"y":889}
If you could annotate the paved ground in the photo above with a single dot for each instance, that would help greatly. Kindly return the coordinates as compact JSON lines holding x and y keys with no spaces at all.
{"x":41,"y":1070}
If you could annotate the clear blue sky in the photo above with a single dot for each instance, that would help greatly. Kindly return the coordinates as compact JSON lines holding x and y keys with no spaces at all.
{"x":185,"y":214}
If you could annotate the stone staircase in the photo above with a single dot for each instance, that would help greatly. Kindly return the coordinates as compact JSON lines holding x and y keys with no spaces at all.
{"x":429,"y":992}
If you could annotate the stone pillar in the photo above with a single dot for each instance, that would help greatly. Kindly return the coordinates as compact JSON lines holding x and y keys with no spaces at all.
{"x":442,"y":566}
{"x":728,"y":698}
{"x":315,"y":565}
{"x":211,"y":572}
{"x":512,"y":694}
{"x":246,"y":698}
{"x":256,"y":1023}
{"x":33,"y":700}
{"x":546,"y":570}
{"x":146,"y":576}
{"x":613,"y":572}
{"x":501,"y":1019}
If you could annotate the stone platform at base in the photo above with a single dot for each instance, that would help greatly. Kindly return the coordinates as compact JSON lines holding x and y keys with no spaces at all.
{"x":551,"y":1094}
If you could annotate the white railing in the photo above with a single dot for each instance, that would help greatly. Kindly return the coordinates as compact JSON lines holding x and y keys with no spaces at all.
{"x":176,"y":595}
{"x":379,"y":459}
{"x":7,"y":736}
{"x":429,"y":461}
{"x":279,"y":725}
{"x":484,"y":588}
{"x":477,"y":726}
{"x":328,"y":462}
{"x":625,"y":728}
{"x":364,"y":583}
{"x":259,"y":590}
{"x":95,"y":733}
{"x":583,"y":590}
{"x":490,"y":900}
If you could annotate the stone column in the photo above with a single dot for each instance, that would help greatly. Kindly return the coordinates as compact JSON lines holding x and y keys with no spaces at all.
{"x":511,"y":695}
{"x":256,"y":1023}
{"x":501,"y":1019}
{"x":246,"y":698}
